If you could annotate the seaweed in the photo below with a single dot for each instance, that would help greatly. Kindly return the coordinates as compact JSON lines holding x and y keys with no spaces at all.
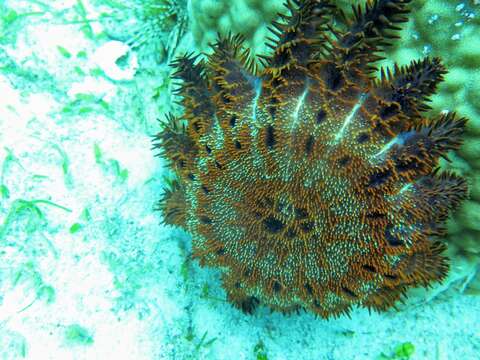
{"x":110,"y":165}
{"x":259,"y":351}
{"x":87,"y":103}
{"x":78,"y":335}
{"x":67,"y":176}
{"x":28,"y":274}
{"x":9,"y":158}
{"x":11,"y":21}
{"x":30,"y":208}
{"x":402,"y":351}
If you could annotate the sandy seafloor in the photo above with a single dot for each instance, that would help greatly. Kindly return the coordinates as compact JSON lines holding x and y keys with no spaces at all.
{"x":86,"y":269}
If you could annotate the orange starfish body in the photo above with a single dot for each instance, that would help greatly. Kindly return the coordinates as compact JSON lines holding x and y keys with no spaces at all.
{"x":308,"y":182}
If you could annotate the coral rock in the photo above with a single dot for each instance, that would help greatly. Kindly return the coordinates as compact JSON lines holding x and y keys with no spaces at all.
{"x":309,"y":183}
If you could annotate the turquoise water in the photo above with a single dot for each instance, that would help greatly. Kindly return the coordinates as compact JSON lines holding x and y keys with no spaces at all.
{"x":87,"y":268}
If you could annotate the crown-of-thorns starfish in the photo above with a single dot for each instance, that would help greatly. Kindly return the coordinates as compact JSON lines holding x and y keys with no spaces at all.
{"x":307,"y":181}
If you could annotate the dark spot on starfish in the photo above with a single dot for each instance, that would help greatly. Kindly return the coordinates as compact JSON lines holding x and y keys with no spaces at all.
{"x":391,"y":277}
{"x":205,"y":220}
{"x":344,"y":161}
{"x":301,"y":213}
{"x":233,"y":121}
{"x":309,"y":288}
{"x":388,"y":111}
{"x":273,"y":225}
{"x":363,"y":138}
{"x":393,"y":240}
{"x":321,"y":116}
{"x":196,"y":127}
{"x":374,"y":214}
{"x":309,"y":144}
{"x":306,"y":227}
{"x":369,"y":268}
{"x":270,"y":137}
{"x":249,"y":304}
{"x":349,"y":292}
{"x":407,"y":165}
{"x":225,"y":99}
{"x":380,"y":177}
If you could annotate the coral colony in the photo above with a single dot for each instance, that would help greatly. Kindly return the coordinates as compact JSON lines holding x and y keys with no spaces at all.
{"x":308,"y":182}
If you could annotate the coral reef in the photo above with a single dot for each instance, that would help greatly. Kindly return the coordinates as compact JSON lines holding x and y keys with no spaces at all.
{"x":310,"y":183}
{"x":251,"y":18}
{"x":460,"y":44}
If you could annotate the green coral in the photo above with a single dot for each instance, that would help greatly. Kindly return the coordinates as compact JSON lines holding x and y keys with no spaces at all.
{"x":247,"y":17}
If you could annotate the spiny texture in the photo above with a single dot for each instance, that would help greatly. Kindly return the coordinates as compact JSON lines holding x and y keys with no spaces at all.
{"x":310,"y":183}
{"x":161,"y":25}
